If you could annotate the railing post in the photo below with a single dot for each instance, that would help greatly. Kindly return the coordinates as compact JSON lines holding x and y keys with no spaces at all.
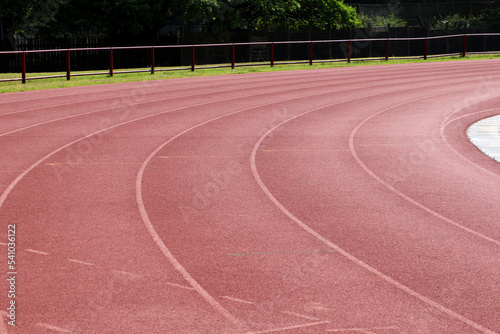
{"x":464,"y":46}
{"x":425,"y":48}
{"x":192,"y":58}
{"x":272,"y":54}
{"x":68,"y":65}
{"x":387,"y":49}
{"x":311,"y":53}
{"x":111,"y":62}
{"x":349,"y":51}
{"x":152,"y":60}
{"x":233,"y":53}
{"x":23,"y":66}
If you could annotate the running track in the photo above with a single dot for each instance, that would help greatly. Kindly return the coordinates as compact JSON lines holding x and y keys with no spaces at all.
{"x":322,"y":201}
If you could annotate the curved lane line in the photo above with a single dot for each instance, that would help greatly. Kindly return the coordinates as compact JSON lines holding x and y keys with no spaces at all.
{"x":167,"y":99}
{"x":349,"y":256}
{"x":16,"y":181}
{"x":157,"y":83}
{"x":399,"y":193}
{"x":443,"y":136}
{"x":11,"y":186}
{"x":157,"y":239}
{"x":26,"y":171}
{"x":128,"y":105}
{"x":314,"y":79}
{"x":150,"y":227}
{"x":128,"y":97}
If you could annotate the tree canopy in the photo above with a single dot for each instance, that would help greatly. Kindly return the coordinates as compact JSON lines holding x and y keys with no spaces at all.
{"x":144,"y":18}
{"x":223,"y":15}
{"x":112,"y":18}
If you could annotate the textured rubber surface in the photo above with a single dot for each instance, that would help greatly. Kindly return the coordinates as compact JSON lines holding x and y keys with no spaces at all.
{"x":345,"y":200}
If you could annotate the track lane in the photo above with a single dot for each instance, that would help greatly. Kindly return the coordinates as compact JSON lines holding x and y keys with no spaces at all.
{"x":286,"y":317}
{"x":54,"y":243}
{"x":45,"y":218}
{"x":380,"y":146}
{"x":78,"y":128}
{"x":129,"y":91}
{"x":466,"y":320}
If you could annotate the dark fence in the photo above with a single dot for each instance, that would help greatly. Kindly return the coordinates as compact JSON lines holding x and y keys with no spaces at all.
{"x":95,"y":59}
{"x":163,"y":58}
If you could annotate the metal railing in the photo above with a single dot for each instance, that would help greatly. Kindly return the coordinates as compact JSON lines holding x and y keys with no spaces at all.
{"x":346,"y":43}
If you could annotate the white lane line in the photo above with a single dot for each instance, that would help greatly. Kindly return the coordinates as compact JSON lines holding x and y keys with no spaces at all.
{"x":54,"y":328}
{"x":126,"y":273}
{"x":179,"y":286}
{"x":301,"y":315}
{"x":284,"y":252}
{"x":359,"y":329}
{"x":159,"y":242}
{"x":35,"y":251}
{"x":81,"y":262}
{"x":3,"y":328}
{"x":399,"y":193}
{"x":138,"y":188}
{"x":238,"y":300}
{"x":112,"y":98}
{"x":282,"y":329}
{"x":341,"y":251}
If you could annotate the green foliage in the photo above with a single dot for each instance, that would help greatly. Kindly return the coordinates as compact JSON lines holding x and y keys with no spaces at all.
{"x":119,"y":19}
{"x":454,"y":21}
{"x":323,"y":14}
{"x":13,"y":12}
{"x":489,"y":17}
{"x":380,"y":21}
{"x":227,"y":15}
{"x":140,"y":20}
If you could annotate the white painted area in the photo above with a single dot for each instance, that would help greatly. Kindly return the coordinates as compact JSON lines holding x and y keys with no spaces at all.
{"x":179,"y":286}
{"x":350,"y":256}
{"x":36,"y":251}
{"x":127,"y":273}
{"x":53,"y":328}
{"x":81,"y":262}
{"x":238,"y":300}
{"x":485,"y":134}
{"x":301,"y":315}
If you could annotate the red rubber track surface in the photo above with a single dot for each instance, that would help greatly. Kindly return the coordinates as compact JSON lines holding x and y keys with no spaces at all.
{"x":322,"y":201}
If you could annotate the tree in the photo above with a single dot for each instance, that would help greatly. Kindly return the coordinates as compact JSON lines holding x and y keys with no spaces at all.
{"x":12,"y":13}
{"x":118,"y":19}
{"x":323,"y":14}
{"x":224,"y":15}
{"x":139,"y":21}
